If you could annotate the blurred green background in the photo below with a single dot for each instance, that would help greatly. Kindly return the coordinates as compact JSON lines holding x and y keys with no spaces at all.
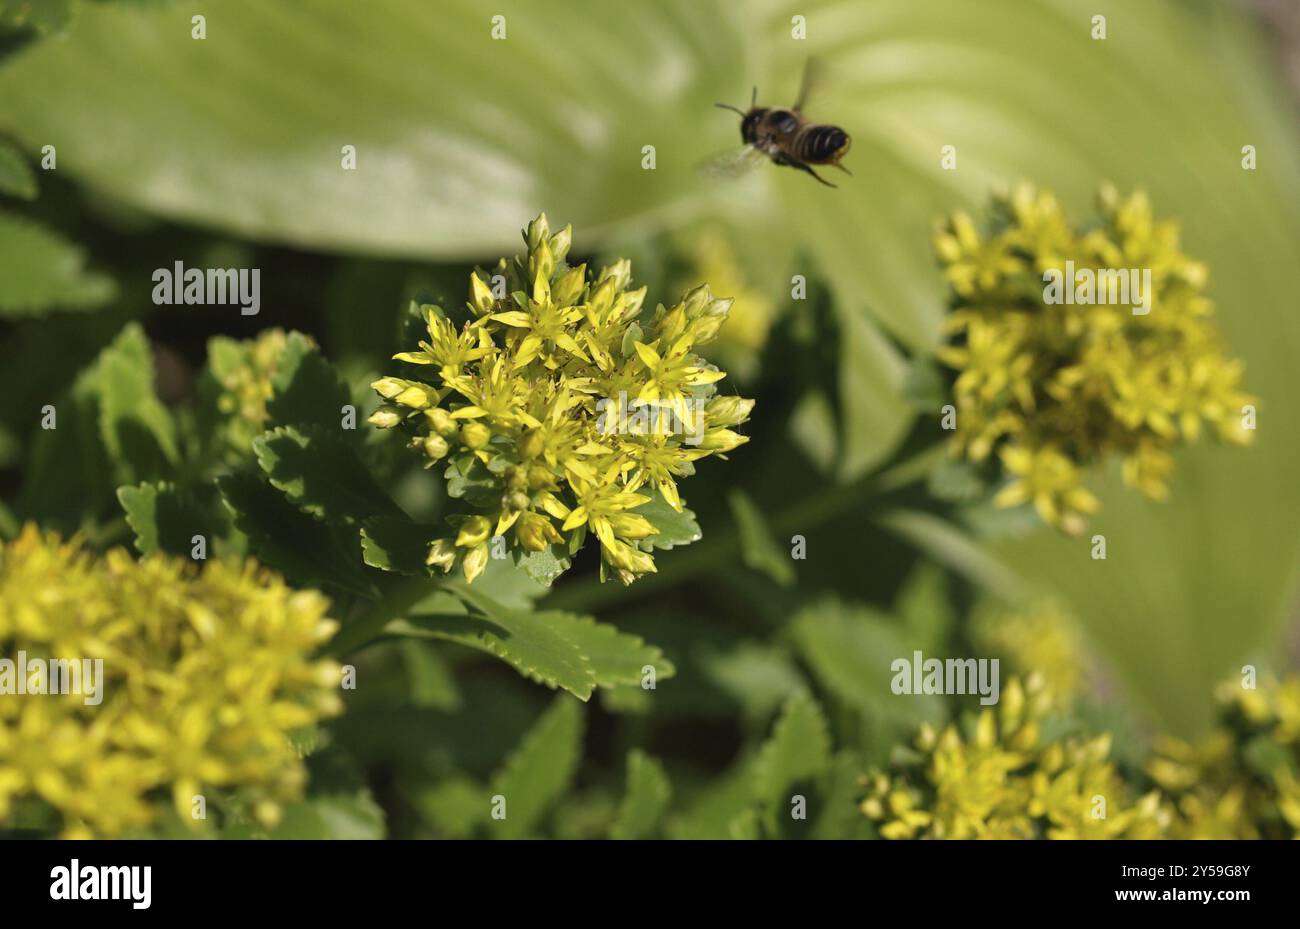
{"x":226,"y":151}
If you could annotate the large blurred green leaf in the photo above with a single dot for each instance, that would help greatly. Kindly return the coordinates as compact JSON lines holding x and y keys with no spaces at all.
{"x":460,"y":138}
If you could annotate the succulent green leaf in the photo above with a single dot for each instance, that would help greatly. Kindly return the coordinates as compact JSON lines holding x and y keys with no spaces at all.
{"x":136,"y":428}
{"x":322,"y":475}
{"x":539,"y":771}
{"x":646,"y":800}
{"x":794,"y":758}
{"x":289,"y":541}
{"x":308,"y":391}
{"x":166,"y":518}
{"x":758,"y":548}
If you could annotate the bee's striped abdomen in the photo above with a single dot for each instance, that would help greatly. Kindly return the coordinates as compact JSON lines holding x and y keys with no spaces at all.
{"x":823,"y":144}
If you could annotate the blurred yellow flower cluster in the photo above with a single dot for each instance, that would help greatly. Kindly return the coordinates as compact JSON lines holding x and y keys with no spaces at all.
{"x":1243,"y":780}
{"x":205,"y":675}
{"x":243,"y":372}
{"x":555,"y":405}
{"x":741,"y":340}
{"x":996,"y":777}
{"x":1056,"y":386}
{"x":1038,"y":638}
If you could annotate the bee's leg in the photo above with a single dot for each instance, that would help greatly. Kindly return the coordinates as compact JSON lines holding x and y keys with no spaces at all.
{"x":781,"y":158}
{"x":805,"y":167}
{"x":844,"y":169}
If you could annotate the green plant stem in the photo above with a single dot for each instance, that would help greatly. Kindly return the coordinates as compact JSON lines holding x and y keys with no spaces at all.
{"x":105,"y":535}
{"x":394,"y":603}
{"x":715,"y":552}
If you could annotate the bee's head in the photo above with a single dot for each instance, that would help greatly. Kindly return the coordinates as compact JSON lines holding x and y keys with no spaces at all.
{"x":749,"y":124}
{"x":750,"y":119}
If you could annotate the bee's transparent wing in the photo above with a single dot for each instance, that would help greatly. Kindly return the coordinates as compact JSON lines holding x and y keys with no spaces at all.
{"x":735,"y":163}
{"x":814,"y":78}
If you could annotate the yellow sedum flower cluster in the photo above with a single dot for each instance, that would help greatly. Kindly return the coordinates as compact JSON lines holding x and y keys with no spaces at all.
{"x":1243,"y":780}
{"x":999,"y":778}
{"x":1054,"y":388}
{"x":205,"y":675}
{"x":242,"y":372}
{"x":557,"y":406}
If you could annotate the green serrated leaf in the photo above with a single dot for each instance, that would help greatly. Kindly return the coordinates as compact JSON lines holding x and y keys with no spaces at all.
{"x":17,"y":179}
{"x":289,"y":541}
{"x":564,"y":650}
{"x":543,"y":567}
{"x":166,"y":518}
{"x":307,"y":390}
{"x":539,"y":771}
{"x":396,"y":544}
{"x":616,"y":658}
{"x":40,"y":272}
{"x":322,"y":475}
{"x":526,"y":641}
{"x":757,"y":546}
{"x":646,"y":800}
{"x":137,"y":430}
{"x":796,"y":755}
{"x":674,"y":528}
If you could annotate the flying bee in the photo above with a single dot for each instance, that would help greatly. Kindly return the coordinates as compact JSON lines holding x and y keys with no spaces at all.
{"x":786,"y":137}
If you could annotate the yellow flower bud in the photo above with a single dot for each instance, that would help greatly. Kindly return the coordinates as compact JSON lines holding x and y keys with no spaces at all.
{"x":435,"y":447}
{"x":475,"y":562}
{"x":385,"y":417}
{"x":474,"y":531}
{"x":480,"y":296}
{"x":440,"y":421}
{"x":475,"y":435}
{"x":569,"y":287}
{"x":389,"y":387}
{"x":722,"y":440}
{"x":442,"y":554}
{"x":728,"y":410}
